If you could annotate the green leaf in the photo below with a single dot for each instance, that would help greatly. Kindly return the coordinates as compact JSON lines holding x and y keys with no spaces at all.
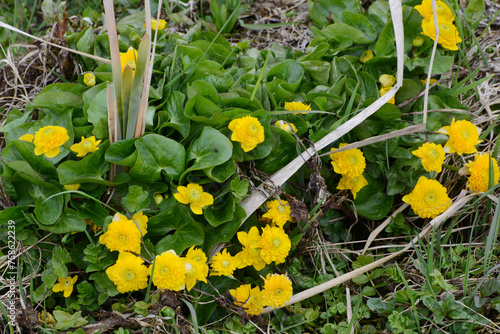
{"x":48,"y":211}
{"x":342,"y":29}
{"x":318,"y":70}
{"x":283,"y":151}
{"x":58,"y":101}
{"x":173,"y":115}
{"x":65,"y":320}
{"x":441,"y":63}
{"x":59,"y":259}
{"x":474,"y":10}
{"x":68,"y":222}
{"x":21,"y":150}
{"x":239,"y":188}
{"x":210,"y":149}
{"x":408,"y":90}
{"x":221,"y":211}
{"x":86,"y":44}
{"x":98,"y":114}
{"x":183,"y":230}
{"x":222,"y":172}
{"x":136,"y":199}
{"x":386,"y":44}
{"x":223,"y":232}
{"x":122,"y":152}
{"x":153,"y":162}
{"x":371,"y":202}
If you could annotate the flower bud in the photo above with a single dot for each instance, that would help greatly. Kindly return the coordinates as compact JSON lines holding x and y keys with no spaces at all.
{"x":158,"y":198}
{"x":89,"y":79}
{"x":75,"y":186}
{"x":387,"y":80}
{"x":418,"y":42}
{"x":366,"y":56}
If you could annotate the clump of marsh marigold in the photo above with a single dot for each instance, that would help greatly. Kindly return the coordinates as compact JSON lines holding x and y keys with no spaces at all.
{"x":128,"y":273}
{"x":247,"y":131}
{"x":277,"y":290}
{"x":249,"y":299}
{"x":194,"y":195}
{"x":463,"y":137}
{"x":250,"y":254}
{"x":354,"y":184}
{"x":428,"y":199}
{"x":279,"y":212}
{"x":87,"y":145}
{"x":224,"y":264}
{"x":479,"y":171}
{"x":169,"y":271}
{"x":351,"y":163}
{"x":48,"y":140}
{"x":275,"y":245}
{"x":122,"y":235}
{"x":431,"y":156}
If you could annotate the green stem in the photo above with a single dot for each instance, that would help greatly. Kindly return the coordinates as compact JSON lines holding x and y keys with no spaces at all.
{"x":451,"y":167}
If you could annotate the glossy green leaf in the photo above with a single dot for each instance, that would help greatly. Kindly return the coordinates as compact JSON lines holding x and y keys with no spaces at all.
{"x":122,"y":152}
{"x":221,"y":172}
{"x":98,"y":114}
{"x":318,"y":70}
{"x":157,"y":156}
{"x":283,"y":151}
{"x":221,"y":211}
{"x":223,"y":232}
{"x":68,"y":222}
{"x":58,"y":101}
{"x":173,"y":115}
{"x":21,"y":150}
{"x":371,"y":202}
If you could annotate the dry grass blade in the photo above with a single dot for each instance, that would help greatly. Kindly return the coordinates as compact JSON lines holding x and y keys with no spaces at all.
{"x":9,"y":27}
{"x":433,"y":224}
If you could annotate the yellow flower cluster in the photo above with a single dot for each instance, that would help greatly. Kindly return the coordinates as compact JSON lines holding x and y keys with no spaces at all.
{"x":431,"y":157}
{"x":48,"y":140}
{"x":194,"y":195}
{"x":387,"y":82}
{"x":129,"y":273}
{"x":463,"y":137}
{"x":448,"y":33}
{"x":124,"y":234}
{"x":247,"y":131}
{"x":279,"y":212}
{"x":277,"y":291}
{"x":87,"y":145}
{"x":350,"y":164}
{"x":428,"y":199}
{"x":479,"y":171}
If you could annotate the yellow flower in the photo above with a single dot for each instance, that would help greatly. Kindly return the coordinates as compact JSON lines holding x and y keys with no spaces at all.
{"x":169,"y":271}
{"x":87,"y":145}
{"x":89,"y":79}
{"x":142,"y":221}
{"x":354,"y":184}
{"x":128,"y":273}
{"x":197,"y":255}
{"x":27,"y":137}
{"x":223,"y":264}
{"x":195,"y":271}
{"x":297,"y":106}
{"x":431,"y":156}
{"x":128,"y":58}
{"x":387,"y":80}
{"x":161,"y":24}
{"x":384,"y":90}
{"x":367,"y":55}
{"x":277,"y":290}
{"x":442,"y":11}
{"x":122,"y":235}
{"x":250,"y":254}
{"x":247,"y":131}
{"x":431,"y":81}
{"x":479,"y":171}
{"x":285,"y":126}
{"x":48,"y":139}
{"x":428,"y":199}
{"x":418,"y":42}
{"x":249,"y":299}
{"x":74,"y":186}
{"x":275,"y":245}
{"x":463,"y":137}
{"x":448,"y":33}
{"x":65,"y":284}
{"x":278,"y":212}
{"x":194,"y":195}
{"x":351,"y":163}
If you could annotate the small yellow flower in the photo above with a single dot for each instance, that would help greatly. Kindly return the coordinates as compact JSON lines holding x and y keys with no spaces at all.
{"x":354,"y":184}
{"x":249,"y":299}
{"x":275,"y":245}
{"x":285,"y":126}
{"x":128,"y":273}
{"x":65,"y":284}
{"x":89,"y":79}
{"x":428,"y":199}
{"x":418,"y":42}
{"x":448,"y":33}
{"x":431,"y":156}
{"x":277,"y":290}
{"x":87,"y":145}
{"x":367,"y":55}
{"x":387,"y":80}
{"x":169,"y":271}
{"x":128,"y":58}
{"x":223,"y":264}
{"x":197,"y":255}
{"x":431,"y":81}
{"x":122,"y":235}
{"x":74,"y":186}
{"x":195,"y":271}
{"x":161,"y":24}
{"x":247,"y":131}
{"x":27,"y":137}
{"x":297,"y":106}
{"x":194,"y":195}
{"x":351,"y":163}
{"x":250,"y":254}
{"x":443,"y":12}
{"x":48,"y":140}
{"x":142,"y":221}
{"x":479,"y":171}
{"x":384,"y":90}
{"x":278,"y":212}
{"x":463,"y":137}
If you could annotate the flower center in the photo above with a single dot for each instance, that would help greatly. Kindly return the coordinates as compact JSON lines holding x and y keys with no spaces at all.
{"x":353,"y":159}
{"x":430,"y":198}
{"x":252,"y":129}
{"x":122,"y":238}
{"x":277,"y":291}
{"x":433,"y":154}
{"x":465,"y":134}
{"x":194,"y":195}
{"x":276,"y":242}
{"x":226,"y":263}
{"x":281,"y":208}
{"x":68,"y":283}
{"x":129,"y":275}
{"x":165,"y":270}
{"x":48,"y":132}
{"x":86,"y":144}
